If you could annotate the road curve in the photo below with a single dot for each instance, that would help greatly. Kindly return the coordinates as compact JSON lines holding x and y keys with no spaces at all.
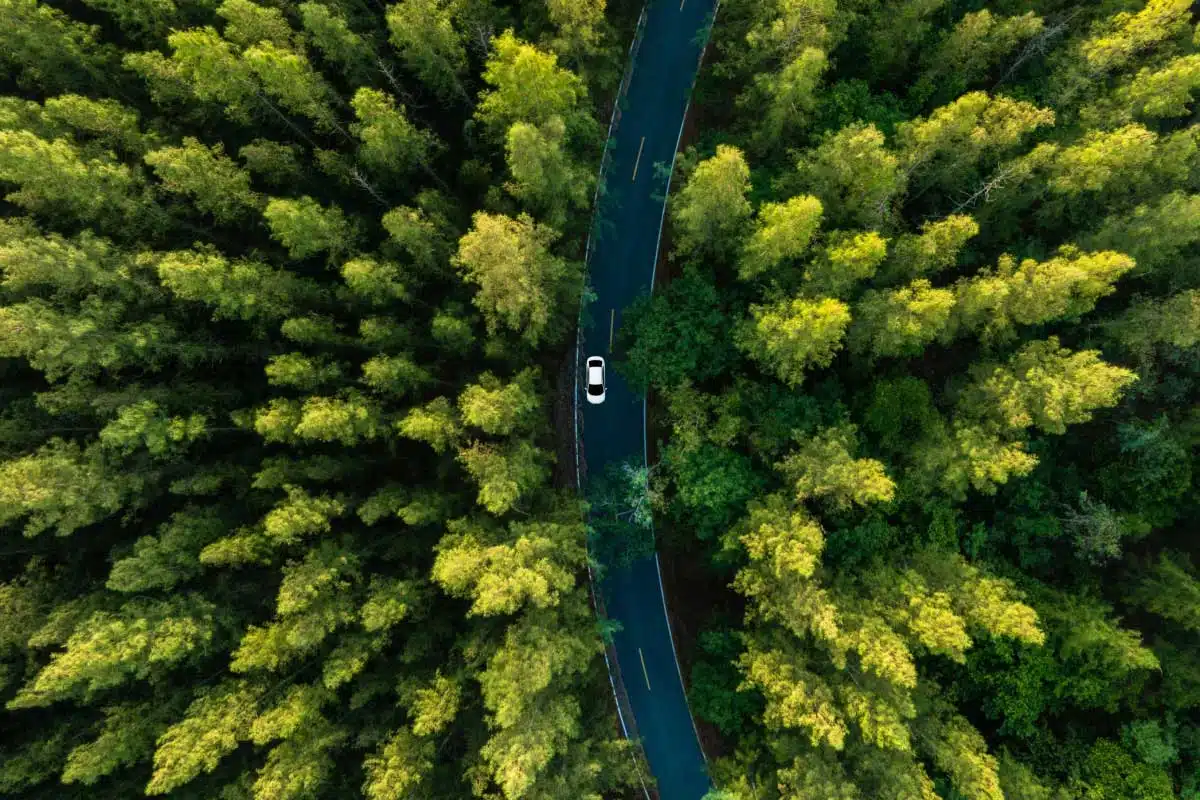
{"x":625,"y":247}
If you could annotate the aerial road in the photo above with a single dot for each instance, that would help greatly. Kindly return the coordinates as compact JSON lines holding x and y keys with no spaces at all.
{"x":625,"y":248}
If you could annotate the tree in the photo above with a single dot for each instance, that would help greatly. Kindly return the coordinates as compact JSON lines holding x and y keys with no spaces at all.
{"x":955,"y":138}
{"x":271,"y":161}
{"x":422,"y":31}
{"x":376,"y":282}
{"x":399,"y":766}
{"x":1029,"y":293}
{"x":105,"y":650}
{"x":1170,"y":589}
{"x":679,"y":333}
{"x":895,"y":32}
{"x":1110,"y":772}
{"x":961,"y":753}
{"x":212,"y":180}
{"x":968,"y":454}
{"x":348,"y":419}
{"x":1174,"y":321}
{"x":975,"y":46}
{"x":126,"y":738}
{"x":854,"y":175}
{"x":421,"y":235}
{"x":901,"y":322}
{"x":44,"y":47}
{"x":795,"y":697}
{"x":288,"y":77}
{"x":543,"y":175}
{"x":1163,"y":93}
{"x":170,"y":557}
{"x":330,"y":33}
{"x":783,"y":536}
{"x":711,"y":211}
{"x":247,"y":24}
{"x":788,"y":27}
{"x":235,"y":290}
{"x":533,"y":565}
{"x":201,"y":64}
{"x":504,"y":475}
{"x":61,"y":487}
{"x":1120,"y":158}
{"x":213,"y":725}
{"x":144,"y":425}
{"x":824,"y":468}
{"x":792,"y":94}
{"x":502,"y":409}
{"x":527,"y":85}
{"x":103,"y":121}
{"x":305,"y":227}
{"x":521,"y":283}
{"x":847,"y":260}
{"x":1153,"y":234}
{"x":1046,"y":386}
{"x":54,"y":180}
{"x":935,"y":249}
{"x":793,"y":336}
{"x":782,"y":233}
{"x":580,"y":26}
{"x":437,"y":424}
{"x":1124,"y":35}
{"x":390,"y":143}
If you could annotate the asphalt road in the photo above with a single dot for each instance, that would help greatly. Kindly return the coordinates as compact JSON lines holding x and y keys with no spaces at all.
{"x":622,"y":265}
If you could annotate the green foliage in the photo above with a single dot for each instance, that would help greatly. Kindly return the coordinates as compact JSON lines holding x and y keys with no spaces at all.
{"x":305,"y":228}
{"x":241,"y":373}
{"x":527,"y":85}
{"x":1046,"y":386}
{"x":522,"y":284}
{"x":823,"y":467}
{"x":534,"y":564}
{"x":901,"y":322}
{"x":503,"y":475}
{"x":712,"y":210}
{"x":1110,"y":772}
{"x":108,"y":649}
{"x":791,"y":337}
{"x":677,"y":334}
{"x":330,"y":33}
{"x":213,"y":182}
{"x":390,"y":143}
{"x":304,"y":458}
{"x":501,"y":409}
{"x":211,"y":728}
{"x":782,"y":233}
{"x":975,"y":510}
{"x":853,"y":174}
{"x":422,"y":31}
{"x":544,"y":179}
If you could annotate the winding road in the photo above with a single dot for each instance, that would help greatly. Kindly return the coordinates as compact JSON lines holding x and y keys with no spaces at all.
{"x":625,"y":247}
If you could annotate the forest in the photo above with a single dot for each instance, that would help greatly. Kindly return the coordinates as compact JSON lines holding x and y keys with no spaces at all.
{"x":288,"y":296}
{"x":285,"y":291}
{"x":924,"y":386}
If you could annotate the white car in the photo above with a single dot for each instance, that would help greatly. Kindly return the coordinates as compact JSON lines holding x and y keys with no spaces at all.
{"x":595,"y":380}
